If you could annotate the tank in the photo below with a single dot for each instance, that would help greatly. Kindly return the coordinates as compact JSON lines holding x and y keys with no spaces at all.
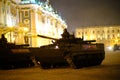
{"x":116,"y":47}
{"x":71,"y":51}
{"x":14,"y":56}
{"x":49,"y":57}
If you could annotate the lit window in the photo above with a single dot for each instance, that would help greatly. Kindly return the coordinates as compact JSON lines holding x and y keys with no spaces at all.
{"x":118,"y":30}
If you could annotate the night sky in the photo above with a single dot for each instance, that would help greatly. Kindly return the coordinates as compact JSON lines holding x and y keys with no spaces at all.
{"x":81,"y":13}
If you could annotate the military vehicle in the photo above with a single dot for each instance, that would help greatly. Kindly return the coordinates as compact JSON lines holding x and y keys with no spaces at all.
{"x":116,"y":47}
{"x":14,"y":56}
{"x":71,"y":51}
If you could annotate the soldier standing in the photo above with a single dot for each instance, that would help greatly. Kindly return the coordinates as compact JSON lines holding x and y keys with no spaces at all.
{"x":65,"y":34}
{"x":3,"y":41}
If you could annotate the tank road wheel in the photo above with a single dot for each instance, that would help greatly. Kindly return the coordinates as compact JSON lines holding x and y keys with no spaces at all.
{"x":29,"y":64}
{"x":45,"y":65}
{"x":79,"y":61}
{"x":99,"y":62}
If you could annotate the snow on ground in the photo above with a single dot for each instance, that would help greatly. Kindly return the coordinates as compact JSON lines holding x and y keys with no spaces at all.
{"x":108,"y":70}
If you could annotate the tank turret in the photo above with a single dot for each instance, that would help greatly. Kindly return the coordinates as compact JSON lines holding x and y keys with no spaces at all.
{"x":67,"y":39}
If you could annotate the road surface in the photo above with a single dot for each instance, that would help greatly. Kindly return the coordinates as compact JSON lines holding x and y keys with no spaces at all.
{"x":108,"y":70}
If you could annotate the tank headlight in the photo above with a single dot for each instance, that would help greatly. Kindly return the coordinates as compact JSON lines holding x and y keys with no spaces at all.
{"x":56,"y":47}
{"x":109,"y":47}
{"x":53,"y":41}
{"x":38,"y":62}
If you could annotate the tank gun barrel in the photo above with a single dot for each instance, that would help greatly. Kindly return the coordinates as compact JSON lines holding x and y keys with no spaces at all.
{"x":47,"y":37}
{"x":90,"y":41}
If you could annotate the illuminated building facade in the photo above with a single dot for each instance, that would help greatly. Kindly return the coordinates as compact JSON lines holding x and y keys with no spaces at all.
{"x":109,"y":35}
{"x":23,"y":20}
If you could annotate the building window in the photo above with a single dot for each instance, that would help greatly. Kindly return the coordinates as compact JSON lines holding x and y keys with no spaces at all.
{"x":78,"y":33}
{"x":26,"y":14}
{"x":108,"y":36}
{"x":113,"y":31}
{"x":98,"y":31}
{"x":43,"y":19}
{"x":118,"y":41}
{"x":113,"y":36}
{"x":26,"y":39}
{"x":118,"y":30}
{"x":82,"y":33}
{"x":93,"y":32}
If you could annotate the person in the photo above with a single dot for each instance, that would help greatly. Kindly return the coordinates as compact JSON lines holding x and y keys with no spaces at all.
{"x":3,"y":40}
{"x":65,"y":34}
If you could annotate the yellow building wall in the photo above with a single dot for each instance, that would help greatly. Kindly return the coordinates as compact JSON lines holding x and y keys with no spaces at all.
{"x":109,"y":35}
{"x":37,"y":21}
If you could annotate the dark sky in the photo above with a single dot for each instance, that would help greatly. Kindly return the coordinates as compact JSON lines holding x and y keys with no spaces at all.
{"x":79,"y":13}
